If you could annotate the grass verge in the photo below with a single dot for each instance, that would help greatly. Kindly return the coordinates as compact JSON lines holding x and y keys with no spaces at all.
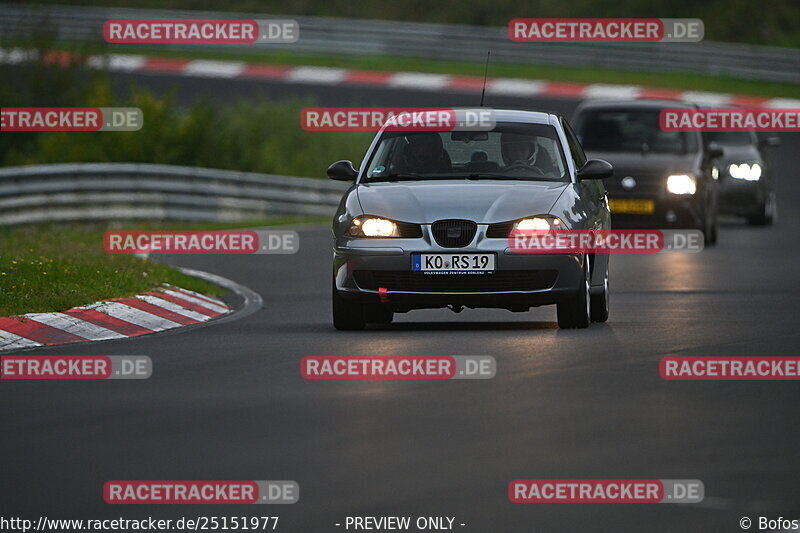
{"x":54,"y":267}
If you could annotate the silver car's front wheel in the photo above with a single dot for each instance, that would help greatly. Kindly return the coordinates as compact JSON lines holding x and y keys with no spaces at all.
{"x":600,"y":302}
{"x":575,"y":311}
{"x":347,"y":316}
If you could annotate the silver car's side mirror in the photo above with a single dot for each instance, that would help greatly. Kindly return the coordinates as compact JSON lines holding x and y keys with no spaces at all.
{"x":342,"y":171}
{"x":595,"y":169}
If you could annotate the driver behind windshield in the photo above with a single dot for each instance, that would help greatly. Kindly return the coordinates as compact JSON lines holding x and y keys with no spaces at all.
{"x":523,"y":151}
{"x":517,"y":149}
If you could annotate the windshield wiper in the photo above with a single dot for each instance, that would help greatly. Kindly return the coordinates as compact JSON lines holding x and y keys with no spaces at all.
{"x":489,"y":175}
{"x":492,"y":175}
{"x":397,"y":176}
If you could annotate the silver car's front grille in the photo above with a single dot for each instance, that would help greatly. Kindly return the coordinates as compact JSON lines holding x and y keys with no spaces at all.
{"x":453,"y":233}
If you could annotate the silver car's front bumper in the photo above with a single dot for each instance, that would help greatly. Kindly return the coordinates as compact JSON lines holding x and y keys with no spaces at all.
{"x":379,"y":271}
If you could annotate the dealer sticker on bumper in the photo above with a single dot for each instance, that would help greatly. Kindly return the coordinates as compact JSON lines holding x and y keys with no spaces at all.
{"x":452,"y":263}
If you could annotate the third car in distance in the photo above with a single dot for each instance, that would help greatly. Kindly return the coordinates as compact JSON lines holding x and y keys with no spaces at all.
{"x":746,"y":177}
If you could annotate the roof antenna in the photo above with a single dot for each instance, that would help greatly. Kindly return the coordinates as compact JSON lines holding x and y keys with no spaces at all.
{"x":485,"y":73}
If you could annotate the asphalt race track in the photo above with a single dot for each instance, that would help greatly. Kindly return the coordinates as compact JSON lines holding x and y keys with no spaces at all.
{"x":227,"y":401}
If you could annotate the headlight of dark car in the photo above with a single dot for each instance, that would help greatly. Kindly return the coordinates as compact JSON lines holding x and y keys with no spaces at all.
{"x":682,"y":184}
{"x":745,"y":171}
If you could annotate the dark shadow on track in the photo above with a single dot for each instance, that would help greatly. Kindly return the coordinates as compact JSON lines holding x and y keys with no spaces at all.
{"x":464,"y":326}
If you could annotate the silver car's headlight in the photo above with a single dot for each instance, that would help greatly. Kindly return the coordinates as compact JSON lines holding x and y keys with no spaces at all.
{"x":682,"y":184}
{"x":538,"y":223}
{"x":745,"y":171}
{"x":369,"y":226}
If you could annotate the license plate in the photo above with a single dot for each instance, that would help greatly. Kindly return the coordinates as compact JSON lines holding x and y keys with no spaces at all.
{"x":452,"y":263}
{"x":632,"y":206}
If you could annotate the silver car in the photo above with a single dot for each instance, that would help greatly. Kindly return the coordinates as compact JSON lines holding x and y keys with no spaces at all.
{"x":427,"y":220}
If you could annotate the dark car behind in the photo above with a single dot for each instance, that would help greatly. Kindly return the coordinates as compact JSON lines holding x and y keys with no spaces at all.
{"x":662,"y":179}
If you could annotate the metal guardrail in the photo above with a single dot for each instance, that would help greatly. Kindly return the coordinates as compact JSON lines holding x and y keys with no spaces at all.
{"x":109,"y":191}
{"x":433,"y":41}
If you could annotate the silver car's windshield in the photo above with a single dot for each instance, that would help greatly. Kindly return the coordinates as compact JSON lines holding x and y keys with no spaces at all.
{"x":510,"y":151}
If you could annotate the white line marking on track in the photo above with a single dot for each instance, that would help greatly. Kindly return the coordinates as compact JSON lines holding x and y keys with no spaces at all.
{"x":327,"y":75}
{"x":12,"y":56}
{"x":210,"y":299}
{"x":706,"y":98}
{"x":783,"y":103}
{"x":198,"y":301}
{"x":418,"y":80}
{"x":601,"y":90}
{"x":510,"y":86}
{"x":214,"y":69}
{"x":118,"y":62}
{"x":9,"y":341}
{"x":134,"y":316}
{"x":175,"y":308}
{"x":75,"y":326}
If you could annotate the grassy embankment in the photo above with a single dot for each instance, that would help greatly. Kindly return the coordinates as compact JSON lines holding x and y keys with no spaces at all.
{"x":53,"y":267}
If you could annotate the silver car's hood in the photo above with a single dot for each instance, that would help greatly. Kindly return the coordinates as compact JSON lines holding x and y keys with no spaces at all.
{"x":482,"y":201}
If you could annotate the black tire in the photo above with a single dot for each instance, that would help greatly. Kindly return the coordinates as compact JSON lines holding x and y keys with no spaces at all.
{"x":715,"y":231}
{"x":574,"y":311}
{"x":378,"y":314}
{"x":600,"y":302}
{"x":766,"y":215}
{"x":710,"y":228}
{"x":347,"y":316}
